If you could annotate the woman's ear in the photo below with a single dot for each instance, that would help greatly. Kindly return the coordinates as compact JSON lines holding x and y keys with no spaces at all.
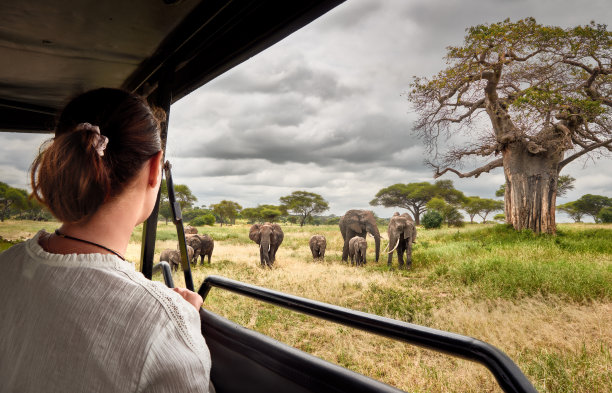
{"x":155,"y":169}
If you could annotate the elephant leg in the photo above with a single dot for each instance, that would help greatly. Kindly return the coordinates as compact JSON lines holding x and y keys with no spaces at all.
{"x":209,"y":256}
{"x":345,"y":249}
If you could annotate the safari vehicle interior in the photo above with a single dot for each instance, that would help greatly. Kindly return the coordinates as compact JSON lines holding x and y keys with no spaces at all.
{"x":163,"y":50}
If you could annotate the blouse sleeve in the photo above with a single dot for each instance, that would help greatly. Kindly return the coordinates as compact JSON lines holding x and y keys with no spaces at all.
{"x":178,"y":359}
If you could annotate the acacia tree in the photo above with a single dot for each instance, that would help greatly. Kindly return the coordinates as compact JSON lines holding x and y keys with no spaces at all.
{"x":304,"y":204}
{"x":226,"y":210}
{"x":545,"y":94}
{"x":481,"y":207}
{"x":415,"y":196}
{"x":572,"y":210}
{"x":183,"y":196}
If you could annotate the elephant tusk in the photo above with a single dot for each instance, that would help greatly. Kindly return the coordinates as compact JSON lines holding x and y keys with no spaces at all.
{"x":386,"y":248}
{"x":268,"y":248}
{"x":396,"y":244}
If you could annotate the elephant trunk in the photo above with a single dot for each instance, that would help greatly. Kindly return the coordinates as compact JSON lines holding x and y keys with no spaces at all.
{"x":374,"y":232}
{"x":265,"y":251}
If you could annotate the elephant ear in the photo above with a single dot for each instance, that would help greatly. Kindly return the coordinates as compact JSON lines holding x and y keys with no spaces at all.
{"x":410,"y":232}
{"x":254,"y":233}
{"x":355,"y":227}
{"x":278,"y":233}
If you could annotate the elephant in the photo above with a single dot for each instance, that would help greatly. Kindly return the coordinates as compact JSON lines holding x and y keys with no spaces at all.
{"x":196,"y":243}
{"x":207,"y":245}
{"x":357,"y":250}
{"x":189,"y":230}
{"x":269,"y":237}
{"x":173,"y":257}
{"x":402,"y":233}
{"x":358,"y":223}
{"x":317,"y":245}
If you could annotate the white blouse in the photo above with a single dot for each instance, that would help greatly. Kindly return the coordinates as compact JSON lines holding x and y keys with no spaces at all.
{"x":91,"y":323}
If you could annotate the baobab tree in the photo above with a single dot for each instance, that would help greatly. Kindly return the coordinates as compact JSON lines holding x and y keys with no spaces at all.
{"x":530,"y":99}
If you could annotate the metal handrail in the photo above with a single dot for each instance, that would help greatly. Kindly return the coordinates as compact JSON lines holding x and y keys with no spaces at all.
{"x":508,"y":375}
{"x":166,"y":272}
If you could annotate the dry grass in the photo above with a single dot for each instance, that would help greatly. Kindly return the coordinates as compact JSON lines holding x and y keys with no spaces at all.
{"x":561,"y":342}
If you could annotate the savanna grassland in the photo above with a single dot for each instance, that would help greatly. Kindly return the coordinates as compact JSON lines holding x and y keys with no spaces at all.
{"x":546,"y":301}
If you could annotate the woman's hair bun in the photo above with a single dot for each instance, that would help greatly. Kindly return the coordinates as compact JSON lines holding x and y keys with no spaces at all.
{"x":102,"y":138}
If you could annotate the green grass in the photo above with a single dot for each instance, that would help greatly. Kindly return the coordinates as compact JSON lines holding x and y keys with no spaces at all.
{"x":500,"y":262}
{"x":546,"y":301}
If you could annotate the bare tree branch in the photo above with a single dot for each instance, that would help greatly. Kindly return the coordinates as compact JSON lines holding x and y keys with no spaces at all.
{"x":606,"y":143}
{"x":476,"y":172}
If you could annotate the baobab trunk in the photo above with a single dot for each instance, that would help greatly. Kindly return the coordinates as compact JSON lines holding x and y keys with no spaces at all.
{"x":531,"y":188}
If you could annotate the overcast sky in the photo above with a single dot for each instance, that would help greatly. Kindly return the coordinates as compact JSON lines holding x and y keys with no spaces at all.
{"x":325,"y":109}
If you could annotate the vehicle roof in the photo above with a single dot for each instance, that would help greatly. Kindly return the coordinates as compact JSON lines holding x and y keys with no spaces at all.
{"x":52,"y":50}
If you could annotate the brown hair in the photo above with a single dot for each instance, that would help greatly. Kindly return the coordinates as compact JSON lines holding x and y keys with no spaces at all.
{"x":70,"y":177}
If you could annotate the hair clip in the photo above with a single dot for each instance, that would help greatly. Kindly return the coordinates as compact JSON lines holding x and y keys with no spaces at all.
{"x":100,"y":141}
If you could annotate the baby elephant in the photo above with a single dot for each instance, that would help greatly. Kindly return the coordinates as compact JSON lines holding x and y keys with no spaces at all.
{"x":317,"y":246}
{"x":173,"y":257}
{"x":357,"y":250}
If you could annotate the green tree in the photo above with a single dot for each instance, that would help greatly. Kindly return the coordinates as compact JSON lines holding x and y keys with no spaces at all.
{"x":304,"y":204}
{"x":572,"y":210}
{"x":414,"y":196}
{"x":605,"y":215}
{"x":263,"y":213}
{"x":183,"y":196}
{"x":591,"y":204}
{"x":226,"y":211}
{"x":450,"y":214}
{"x":530,"y":94}
{"x":11,"y":198}
{"x":482,"y":207}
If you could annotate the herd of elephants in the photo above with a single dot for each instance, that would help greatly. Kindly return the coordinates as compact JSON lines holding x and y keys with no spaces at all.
{"x":354,"y":226}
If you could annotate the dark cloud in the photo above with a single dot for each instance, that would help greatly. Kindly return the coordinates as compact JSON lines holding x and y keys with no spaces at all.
{"x":283,"y":76}
{"x":322,"y":110}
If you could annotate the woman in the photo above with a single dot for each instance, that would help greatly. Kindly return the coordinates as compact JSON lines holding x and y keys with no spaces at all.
{"x":77,"y":317}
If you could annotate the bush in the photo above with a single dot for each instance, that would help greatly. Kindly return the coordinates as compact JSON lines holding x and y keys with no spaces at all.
{"x":605,"y":215}
{"x":454,"y":218}
{"x":207,"y":219}
{"x":432,"y":219}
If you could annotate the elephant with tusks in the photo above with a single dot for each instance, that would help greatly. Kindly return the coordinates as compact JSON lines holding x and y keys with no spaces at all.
{"x":402,"y":234}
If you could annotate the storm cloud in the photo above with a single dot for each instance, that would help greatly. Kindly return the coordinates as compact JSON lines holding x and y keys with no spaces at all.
{"x":325,"y":109}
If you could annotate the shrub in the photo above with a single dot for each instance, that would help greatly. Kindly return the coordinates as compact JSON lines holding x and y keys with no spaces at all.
{"x":605,"y":215}
{"x":432,"y":219}
{"x":453,"y":217}
{"x":207,"y":219}
{"x":500,"y":217}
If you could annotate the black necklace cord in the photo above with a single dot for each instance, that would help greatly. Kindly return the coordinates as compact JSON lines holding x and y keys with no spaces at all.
{"x":58,"y":233}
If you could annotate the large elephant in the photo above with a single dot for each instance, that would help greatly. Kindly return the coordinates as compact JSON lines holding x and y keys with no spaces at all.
{"x":207,"y":245}
{"x":402,"y":233}
{"x":357,"y":250}
{"x":317,"y":245}
{"x":269,"y":237}
{"x":173,"y":257}
{"x":358,"y":223}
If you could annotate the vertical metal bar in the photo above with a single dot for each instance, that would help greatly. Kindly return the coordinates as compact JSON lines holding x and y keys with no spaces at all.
{"x":162,"y":98}
{"x":177,"y":218}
